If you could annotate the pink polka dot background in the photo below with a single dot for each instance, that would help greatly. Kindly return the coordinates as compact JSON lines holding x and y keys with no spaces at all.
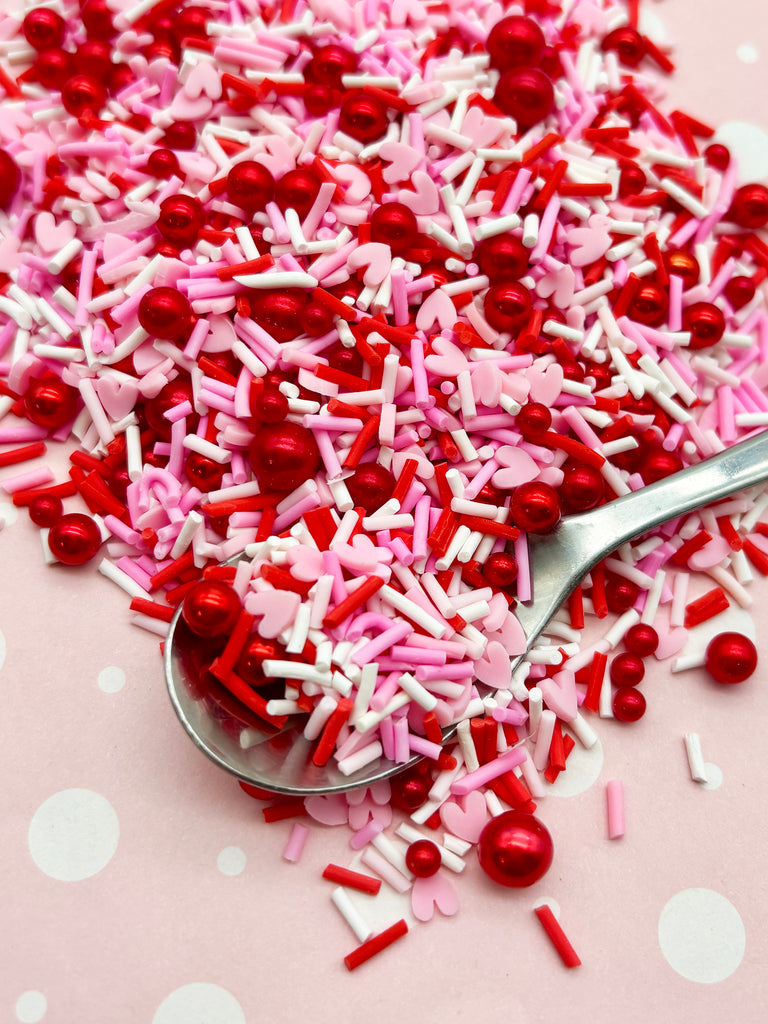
{"x":140,"y":885}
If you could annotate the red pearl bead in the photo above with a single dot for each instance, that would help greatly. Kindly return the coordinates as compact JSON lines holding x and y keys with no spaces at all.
{"x":515,"y":42}
{"x":631,"y":180}
{"x":502,"y":258}
{"x":740,"y":290}
{"x":582,"y":487}
{"x":319,"y":99}
{"x":749,"y":208}
{"x":533,"y":421}
{"x":423,"y":858}
{"x":74,"y":538}
{"x":363,"y":117}
{"x":649,"y":304}
{"x":176,"y":392}
{"x":394,"y":225}
{"x":706,"y":323}
{"x":641,"y":639}
{"x":627,"y":43}
{"x":10,"y":178}
{"x":526,"y":94}
{"x":163,"y":163}
{"x":203,"y":473}
{"x":81,"y":94}
{"x":283,"y":456}
{"x":50,"y":402}
{"x":628,"y":704}
{"x":45,"y":509}
{"x":270,"y":406}
{"x":279,"y":313}
{"x":684,"y":265}
{"x":250,"y":186}
{"x":508,"y":306}
{"x":329,"y":64}
{"x":730,"y":658}
{"x":515,"y":849}
{"x":43,"y":28}
{"x":165,"y":313}
{"x":181,"y":219}
{"x":190,"y":23}
{"x":620,"y":593}
{"x":658,"y":463}
{"x":370,"y":486}
{"x":53,"y":68}
{"x":717,"y":156}
{"x":211,"y":608}
{"x":500,"y":569}
{"x":348,"y":360}
{"x":180,"y":135}
{"x":316,"y":319}
{"x":97,"y":19}
{"x":627,"y":669}
{"x":96,"y":56}
{"x":535,"y":507}
{"x":410,"y":789}
{"x":298,"y":190}
{"x":253,"y":653}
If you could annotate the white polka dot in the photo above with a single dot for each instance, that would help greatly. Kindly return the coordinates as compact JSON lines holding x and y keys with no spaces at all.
{"x":701,"y":935}
{"x":199,"y":1003}
{"x":748,"y":144}
{"x":714,"y":776}
{"x":111,"y":679}
{"x":747,"y":53}
{"x":31,"y":1007}
{"x":231,"y":860}
{"x":73,"y":834}
{"x":582,"y":770}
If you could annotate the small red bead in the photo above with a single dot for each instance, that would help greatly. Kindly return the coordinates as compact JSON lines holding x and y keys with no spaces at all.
{"x":533,"y":420}
{"x":211,"y":608}
{"x":50,"y":402}
{"x":749,"y":208}
{"x":270,"y":406}
{"x":683,"y":264}
{"x":279,"y":313}
{"x":53,"y":68}
{"x":632,"y":180}
{"x":181,"y":219}
{"x":410,"y":789}
{"x":165,"y":313}
{"x":250,"y":185}
{"x":74,"y":538}
{"x":370,"y":486}
{"x":649,"y":304}
{"x":190,"y":23}
{"x":97,"y":19}
{"x":316,"y":319}
{"x":730,"y":658}
{"x":717,"y":156}
{"x":627,"y":669}
{"x":319,"y":99}
{"x":329,"y":64}
{"x":203,"y":473}
{"x":740,"y":290}
{"x":163,"y":163}
{"x":81,"y":94}
{"x":620,"y":593}
{"x":502,"y":258}
{"x":283,"y":456}
{"x":363,"y":117}
{"x":43,"y":28}
{"x":348,"y":360}
{"x":515,"y":849}
{"x":297,"y":190}
{"x":180,"y":135}
{"x":706,"y":323}
{"x":582,"y":487}
{"x":526,"y":94}
{"x":170,"y":395}
{"x":500,"y":569}
{"x":254,"y":652}
{"x":641,"y":639}
{"x":657,"y":463}
{"x":507,"y":306}
{"x":627,"y":43}
{"x":45,"y":509}
{"x":628,"y":704}
{"x":535,"y":507}
{"x":95,"y":55}
{"x":514,"y":42}
{"x":10,"y":178}
{"x":394,"y":225}
{"x":423,"y":858}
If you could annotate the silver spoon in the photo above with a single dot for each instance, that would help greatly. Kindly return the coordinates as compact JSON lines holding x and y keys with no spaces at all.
{"x":559,"y":561}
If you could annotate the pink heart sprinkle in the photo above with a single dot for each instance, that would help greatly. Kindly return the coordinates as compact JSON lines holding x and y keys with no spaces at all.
{"x":402,"y":160}
{"x":203,"y":80}
{"x":306,"y":563}
{"x":589,"y":243}
{"x":483,"y":131}
{"x":184,"y":108}
{"x":671,"y":643}
{"x":487,"y":381}
{"x":358,"y":184}
{"x":466,"y":817}
{"x":426,"y":199}
{"x":447,"y":359}
{"x":328,"y":810}
{"x":277,"y":609}
{"x":546,"y":382}
{"x":707,"y":557}
{"x":117,"y":395}
{"x":362,"y":555}
{"x":511,"y":636}
{"x":559,"y":694}
{"x":9,"y":254}
{"x":438,"y":309}
{"x":494,"y":668}
{"x":430,"y":893}
{"x":51,"y":236}
{"x":376,"y":257}
{"x":517,"y":468}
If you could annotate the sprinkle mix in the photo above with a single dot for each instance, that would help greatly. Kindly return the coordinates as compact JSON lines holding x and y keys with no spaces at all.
{"x":369,"y":293}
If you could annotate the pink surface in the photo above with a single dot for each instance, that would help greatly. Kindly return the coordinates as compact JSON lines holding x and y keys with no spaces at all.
{"x":163,"y":928}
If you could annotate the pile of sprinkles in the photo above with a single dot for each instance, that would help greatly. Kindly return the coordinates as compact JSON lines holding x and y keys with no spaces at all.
{"x":368,"y":292}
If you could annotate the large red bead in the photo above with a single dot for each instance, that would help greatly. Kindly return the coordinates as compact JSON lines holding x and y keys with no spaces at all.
{"x":283,"y":456}
{"x":180,"y":135}
{"x":627,"y":669}
{"x":507,"y":306}
{"x":363,"y":117}
{"x":657,"y":462}
{"x":717,"y":156}
{"x":253,"y":653}
{"x":279,"y":313}
{"x":370,"y":486}
{"x":95,"y":55}
{"x":706,"y":323}
{"x":10,"y":178}
{"x":500,"y":569}
{"x":211,"y":608}
{"x":165,"y":313}
{"x":632,"y":180}
{"x":43,"y":28}
{"x":620,"y":593}
{"x":316,"y":319}
{"x":582,"y":487}
{"x":641,"y":639}
{"x":683,"y":264}
{"x":515,"y":849}
{"x":533,"y":421}
{"x":410,"y":789}
{"x":730,"y":657}
{"x":329,"y":64}
{"x":74,"y":538}
{"x":627,"y":43}
{"x":628,"y":704}
{"x":174,"y":393}
{"x":163,"y":163}
{"x":502,"y":258}
{"x":297,"y":190}
{"x":97,"y":19}
{"x":649,"y":304}
{"x":740,"y":290}
{"x":190,"y":23}
{"x":526,"y":94}
{"x":535,"y":507}
{"x":270,"y":406}
{"x":50,"y":402}
{"x":81,"y":94}
{"x":395,"y":225}
{"x":422,"y":858}
{"x":750,"y":206}
{"x":203,"y":473}
{"x":515,"y":42}
{"x":250,"y":185}
{"x":45,"y":509}
{"x":53,"y":68}
{"x":181,"y":219}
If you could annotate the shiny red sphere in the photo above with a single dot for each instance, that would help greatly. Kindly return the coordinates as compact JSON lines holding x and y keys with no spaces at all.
{"x":717,"y":156}
{"x":181,"y":219}
{"x":43,"y":28}
{"x":53,"y":68}
{"x":81,"y":94}
{"x":423,"y":858}
{"x":250,"y":186}
{"x":45,"y":509}
{"x":370,"y":486}
{"x":165,"y":313}
{"x":535,"y":507}
{"x":211,"y":608}
{"x":533,"y":421}
{"x":740,"y":290}
{"x":627,"y":43}
{"x":641,"y":639}
{"x":515,"y":849}
{"x":627,"y":669}
{"x":190,"y":23}
{"x":749,"y":208}
{"x":10,"y":178}
{"x":270,"y":406}
{"x":297,"y":190}
{"x":706,"y":323}
{"x":631,"y":180}
{"x":174,"y":393}
{"x":526,"y":94}
{"x":253,"y":653}
{"x":508,"y":306}
{"x":620,"y":593}
{"x":348,"y":360}
{"x":684,"y":265}
{"x":582,"y":487}
{"x":515,"y":42}
{"x":500,"y":569}
{"x":649,"y":304}
{"x":394,"y":225}
{"x":180,"y":135}
{"x":410,"y":789}
{"x":203,"y":473}
{"x":278,"y":312}
{"x":50,"y":402}
{"x":329,"y":64}
{"x":163,"y":163}
{"x":730,"y":658}
{"x":283,"y":456}
{"x":319,"y":98}
{"x":628,"y":704}
{"x":502,"y":258}
{"x":363,"y":117}
{"x":657,"y":462}
{"x":96,"y":16}
{"x":316,"y":319}
{"x":95,"y":55}
{"x":74,"y":538}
